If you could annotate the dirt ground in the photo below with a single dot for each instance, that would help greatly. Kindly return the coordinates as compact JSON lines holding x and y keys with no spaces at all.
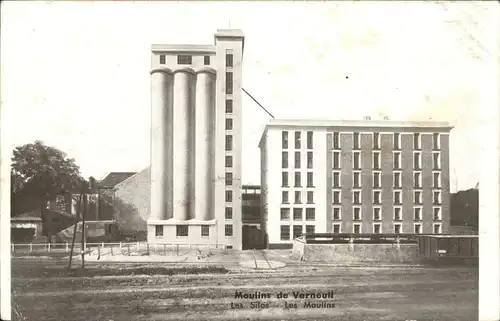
{"x":358,"y":293}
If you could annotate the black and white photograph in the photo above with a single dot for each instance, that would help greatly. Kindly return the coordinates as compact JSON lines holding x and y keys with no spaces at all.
{"x":218,"y":160}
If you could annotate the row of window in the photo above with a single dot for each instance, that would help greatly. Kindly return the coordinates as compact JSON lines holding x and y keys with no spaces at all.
{"x":356,"y":197}
{"x":377,"y":214}
{"x":376,"y":164}
{"x":298,"y":197}
{"x":377,"y":179}
{"x":284,"y":160}
{"x":298,"y":214}
{"x":183,"y":230}
{"x":229,"y":138}
{"x":188,"y":60}
{"x":298,"y":135}
{"x":356,"y":228}
{"x":396,"y":141}
{"x":297,"y":179}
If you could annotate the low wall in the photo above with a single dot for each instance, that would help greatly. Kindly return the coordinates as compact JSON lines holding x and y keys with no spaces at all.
{"x":352,"y":253}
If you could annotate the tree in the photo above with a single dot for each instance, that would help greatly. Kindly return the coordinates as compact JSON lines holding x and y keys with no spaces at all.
{"x":40,"y":173}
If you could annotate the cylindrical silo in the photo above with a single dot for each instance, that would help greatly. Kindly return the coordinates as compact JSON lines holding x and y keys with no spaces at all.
{"x":182,"y":145}
{"x":161,"y":136}
{"x":205,"y":138}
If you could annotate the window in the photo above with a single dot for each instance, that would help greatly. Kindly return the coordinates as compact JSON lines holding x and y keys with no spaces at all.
{"x":297,"y":231}
{"x":310,"y":214}
{"x":437,"y":197}
{"x":336,"y":228}
{"x":229,"y":83}
{"x":184,"y":60}
{"x":228,"y":230}
{"x":355,"y":139}
{"x":436,"y":161}
{"x":158,"y":230}
{"x":377,"y":228}
{"x":417,"y":197}
{"x":376,"y":214}
{"x":229,"y":60}
{"x":182,"y":230}
{"x":397,"y":197}
{"x":297,"y":179}
{"x":356,"y":214}
{"x":285,"y":214}
{"x":229,"y":179}
{"x":396,"y":141}
{"x":357,"y":228}
{"x":310,"y":197}
{"x":436,"y":228}
{"x":376,"y":197}
{"x":336,"y":160}
{"x":310,"y":179}
{"x":229,"y":106}
{"x":309,"y":160}
{"x":162,"y":59}
{"x":284,"y":179}
{"x":356,"y":179}
{"x":376,"y":180}
{"x":284,"y":140}
{"x":206,"y":60}
{"x":417,"y":160}
{"x":356,"y":197}
{"x":229,"y":142}
{"x":284,"y":197}
{"x":397,"y":228}
{"x":436,"y":214}
{"x":376,"y":141}
{"x":417,"y":214}
{"x":356,"y":161}
{"x":297,"y":197}
{"x":417,"y":180}
{"x":336,"y":179}
{"x":309,"y":140}
{"x":309,"y":229}
{"x":229,"y":213}
{"x":336,"y":197}
{"x":397,"y":214}
{"x":297,"y":159}
{"x":229,"y":196}
{"x":336,"y":141}
{"x":205,"y":230}
{"x":436,"y":179}
{"x":417,"y":228}
{"x":229,"y":123}
{"x":435,"y":141}
{"x":284,"y":159}
{"x":416,"y":141}
{"x":285,"y":232}
{"x":397,"y":179}
{"x":397,"y":160}
{"x":297,"y":140}
{"x":229,"y":161}
{"x":376,"y":160}
{"x":336,"y":214}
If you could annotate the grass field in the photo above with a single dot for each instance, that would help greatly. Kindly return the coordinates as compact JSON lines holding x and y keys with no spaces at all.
{"x":44,"y":290}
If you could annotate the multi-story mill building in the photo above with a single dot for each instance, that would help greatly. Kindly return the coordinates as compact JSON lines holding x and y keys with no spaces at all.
{"x":354,"y":177}
{"x":196,"y":142}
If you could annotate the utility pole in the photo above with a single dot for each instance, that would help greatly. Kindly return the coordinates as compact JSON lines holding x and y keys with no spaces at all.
{"x":83,"y":224}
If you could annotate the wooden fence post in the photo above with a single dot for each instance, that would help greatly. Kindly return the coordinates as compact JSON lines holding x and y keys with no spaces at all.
{"x":31,"y":247}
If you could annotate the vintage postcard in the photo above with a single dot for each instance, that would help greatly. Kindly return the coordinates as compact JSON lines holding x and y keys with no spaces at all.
{"x":250,"y":161}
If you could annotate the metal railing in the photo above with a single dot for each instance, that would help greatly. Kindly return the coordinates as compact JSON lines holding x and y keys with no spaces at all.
{"x":351,"y":238}
{"x":119,"y":248}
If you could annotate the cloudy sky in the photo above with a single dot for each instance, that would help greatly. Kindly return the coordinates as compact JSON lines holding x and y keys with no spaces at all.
{"x":76,"y":75}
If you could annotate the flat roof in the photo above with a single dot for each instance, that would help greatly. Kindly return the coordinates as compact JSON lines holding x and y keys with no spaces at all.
{"x":183,"y":48}
{"x":321,"y":123}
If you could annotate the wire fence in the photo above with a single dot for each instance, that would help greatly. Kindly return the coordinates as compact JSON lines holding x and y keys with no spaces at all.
{"x":116,"y":249}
